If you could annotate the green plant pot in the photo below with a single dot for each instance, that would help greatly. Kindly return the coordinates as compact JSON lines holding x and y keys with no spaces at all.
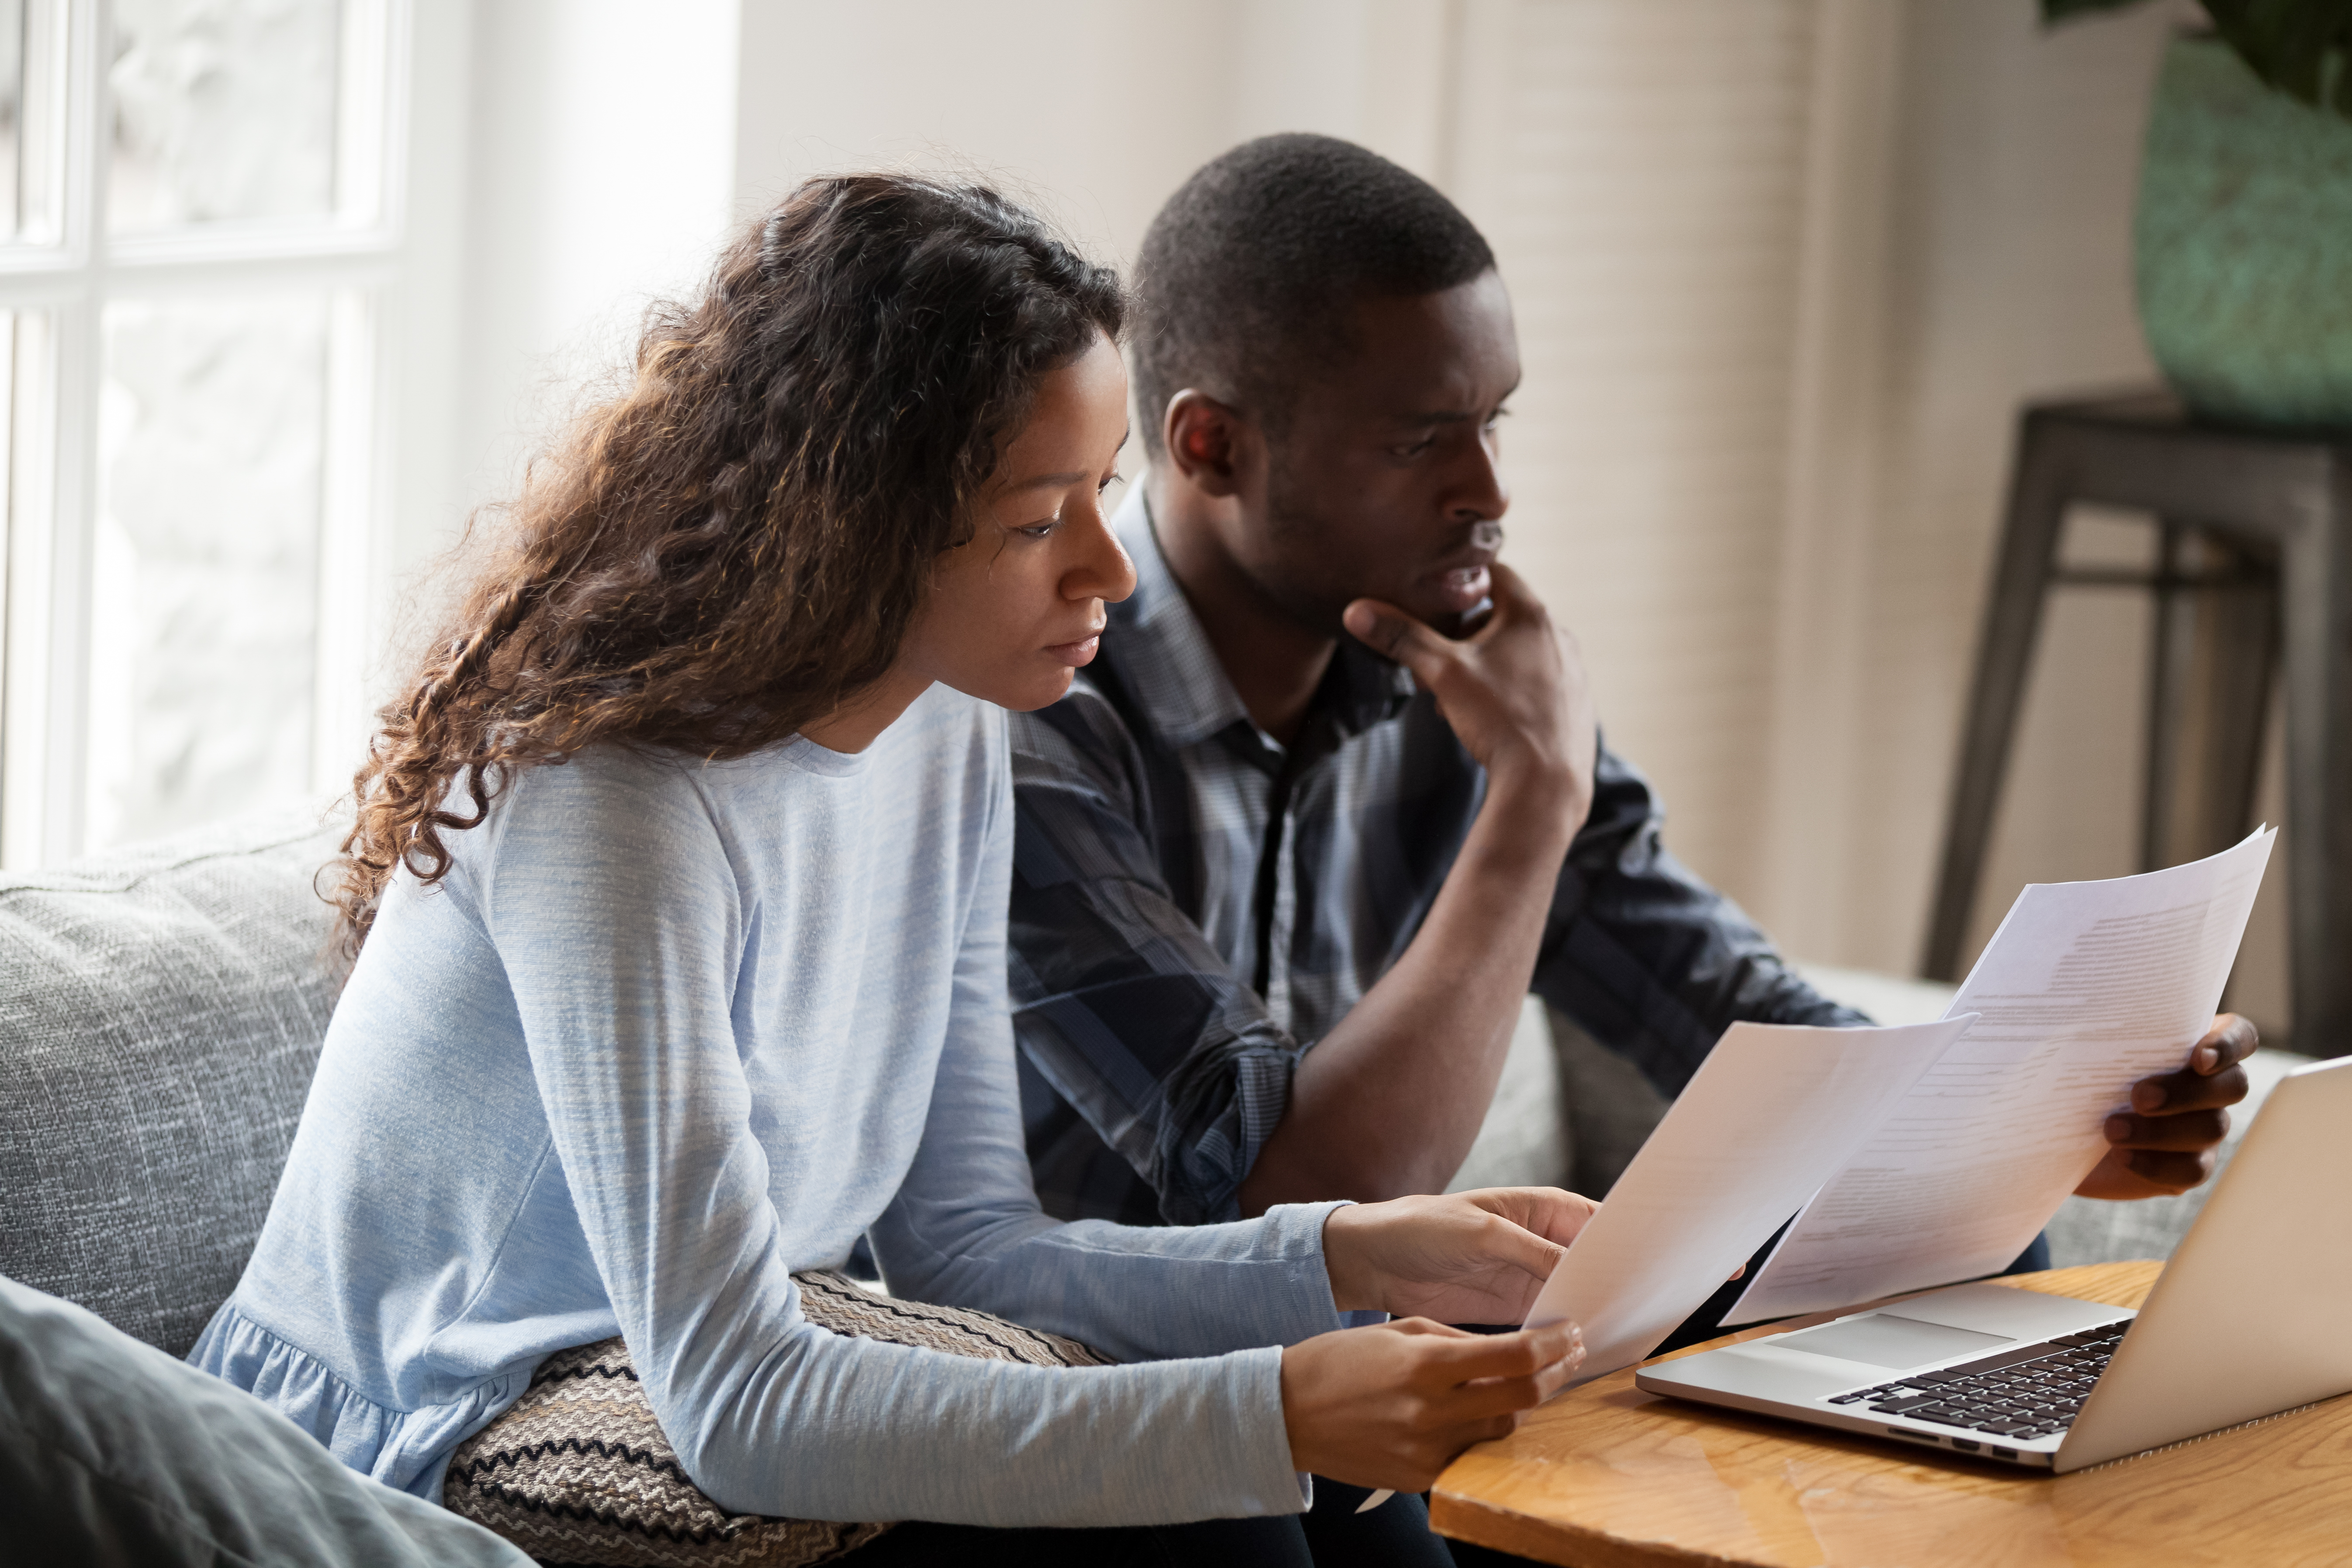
{"x":2243,"y":244}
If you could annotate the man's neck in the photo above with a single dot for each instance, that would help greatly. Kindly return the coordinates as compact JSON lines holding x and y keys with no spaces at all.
{"x":1274,"y":662}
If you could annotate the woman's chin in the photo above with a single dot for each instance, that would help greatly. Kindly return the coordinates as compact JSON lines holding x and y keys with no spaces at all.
{"x":1024,"y":694}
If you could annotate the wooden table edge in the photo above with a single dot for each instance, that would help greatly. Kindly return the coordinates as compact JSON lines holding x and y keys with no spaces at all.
{"x":1462,"y":1517}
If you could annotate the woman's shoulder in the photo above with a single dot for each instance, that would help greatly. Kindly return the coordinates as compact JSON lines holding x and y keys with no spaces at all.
{"x":950,"y":746}
{"x":945,"y":722}
{"x":648,"y":800}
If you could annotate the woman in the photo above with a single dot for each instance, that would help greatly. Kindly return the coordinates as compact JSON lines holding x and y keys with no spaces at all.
{"x":677,"y":896}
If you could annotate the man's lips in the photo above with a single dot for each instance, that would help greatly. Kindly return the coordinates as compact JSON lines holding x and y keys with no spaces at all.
{"x":1460,"y":589}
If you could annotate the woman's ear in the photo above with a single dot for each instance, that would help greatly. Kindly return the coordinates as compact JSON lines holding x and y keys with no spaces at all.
{"x":1204,"y":438}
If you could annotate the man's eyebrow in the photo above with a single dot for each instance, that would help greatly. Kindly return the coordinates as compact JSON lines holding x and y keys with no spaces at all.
{"x":1450,"y":416}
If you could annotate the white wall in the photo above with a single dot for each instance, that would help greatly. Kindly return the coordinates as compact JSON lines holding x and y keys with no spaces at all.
{"x":601,"y":177}
{"x":1094,"y":112}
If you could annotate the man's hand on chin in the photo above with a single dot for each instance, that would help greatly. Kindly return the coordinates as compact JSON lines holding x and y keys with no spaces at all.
{"x":2165,"y":1143}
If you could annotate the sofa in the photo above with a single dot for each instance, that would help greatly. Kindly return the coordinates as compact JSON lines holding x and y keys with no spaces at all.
{"x":161,"y":1012}
{"x":161,"y":1008}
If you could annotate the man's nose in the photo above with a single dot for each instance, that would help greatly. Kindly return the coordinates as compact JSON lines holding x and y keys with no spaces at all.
{"x":1480,"y":495}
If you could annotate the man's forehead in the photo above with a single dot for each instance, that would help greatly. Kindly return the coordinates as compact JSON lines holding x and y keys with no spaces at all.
{"x":1423,"y":357}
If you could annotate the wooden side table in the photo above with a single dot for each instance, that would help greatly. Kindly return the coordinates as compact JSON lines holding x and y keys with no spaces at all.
{"x":1608,"y":1477}
{"x":2275,"y":509}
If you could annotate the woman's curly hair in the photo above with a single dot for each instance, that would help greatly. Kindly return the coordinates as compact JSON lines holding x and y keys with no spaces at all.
{"x":741,"y":539}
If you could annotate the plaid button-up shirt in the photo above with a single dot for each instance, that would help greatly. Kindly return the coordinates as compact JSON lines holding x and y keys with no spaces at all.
{"x":1194,"y":905}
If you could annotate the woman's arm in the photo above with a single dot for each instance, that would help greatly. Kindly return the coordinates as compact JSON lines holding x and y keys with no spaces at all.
{"x":621,"y":923}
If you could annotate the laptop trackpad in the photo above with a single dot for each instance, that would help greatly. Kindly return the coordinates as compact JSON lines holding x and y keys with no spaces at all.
{"x":1882,"y":1339}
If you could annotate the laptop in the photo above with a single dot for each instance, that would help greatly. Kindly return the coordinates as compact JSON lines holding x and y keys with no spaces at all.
{"x":2246,"y":1320}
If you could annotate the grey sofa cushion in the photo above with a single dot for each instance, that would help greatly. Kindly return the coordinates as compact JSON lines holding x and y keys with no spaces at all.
{"x":161,"y":1012}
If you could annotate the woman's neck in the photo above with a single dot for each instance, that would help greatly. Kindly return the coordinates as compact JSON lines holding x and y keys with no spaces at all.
{"x":851,"y":728}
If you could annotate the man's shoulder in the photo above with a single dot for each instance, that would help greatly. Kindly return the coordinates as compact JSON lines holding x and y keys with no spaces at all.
{"x":1085,"y":737}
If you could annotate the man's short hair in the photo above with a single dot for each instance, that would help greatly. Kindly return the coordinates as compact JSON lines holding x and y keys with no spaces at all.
{"x":1249,"y":274}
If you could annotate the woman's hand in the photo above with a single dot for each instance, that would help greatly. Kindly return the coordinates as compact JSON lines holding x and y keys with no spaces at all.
{"x":1392,"y":1404}
{"x":1466,"y":1257}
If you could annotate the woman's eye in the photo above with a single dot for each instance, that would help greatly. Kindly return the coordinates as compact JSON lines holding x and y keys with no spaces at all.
{"x":1038,"y":529}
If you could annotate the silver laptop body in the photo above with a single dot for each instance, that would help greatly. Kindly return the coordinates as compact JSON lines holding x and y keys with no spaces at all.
{"x":2247,"y":1319}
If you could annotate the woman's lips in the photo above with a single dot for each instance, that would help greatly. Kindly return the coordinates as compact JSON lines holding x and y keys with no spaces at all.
{"x":1074,"y":653}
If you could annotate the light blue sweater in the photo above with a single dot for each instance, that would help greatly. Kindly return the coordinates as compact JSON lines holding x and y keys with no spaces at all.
{"x":669,"y":1031}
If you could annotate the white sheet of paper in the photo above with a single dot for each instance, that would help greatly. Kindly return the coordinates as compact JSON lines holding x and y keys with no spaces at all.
{"x":1770,"y":1115}
{"x":2086,"y":988}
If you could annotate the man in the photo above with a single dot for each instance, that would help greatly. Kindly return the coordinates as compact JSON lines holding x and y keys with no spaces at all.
{"x":1331,"y":801}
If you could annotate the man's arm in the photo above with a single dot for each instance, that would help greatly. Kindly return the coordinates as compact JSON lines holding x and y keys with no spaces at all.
{"x":1655,"y":965}
{"x":1390,"y":1099}
{"x":1648,"y":959}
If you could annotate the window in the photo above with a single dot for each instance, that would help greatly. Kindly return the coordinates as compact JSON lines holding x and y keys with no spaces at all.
{"x":200,"y":227}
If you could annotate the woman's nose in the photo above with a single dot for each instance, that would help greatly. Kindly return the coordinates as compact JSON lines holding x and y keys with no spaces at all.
{"x":1103,"y":571}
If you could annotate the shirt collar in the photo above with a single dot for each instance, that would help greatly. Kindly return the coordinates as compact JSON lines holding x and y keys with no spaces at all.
{"x":1157,"y":648}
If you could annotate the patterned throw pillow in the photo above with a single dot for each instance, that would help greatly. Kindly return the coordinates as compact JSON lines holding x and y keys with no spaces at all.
{"x":578,"y":1471}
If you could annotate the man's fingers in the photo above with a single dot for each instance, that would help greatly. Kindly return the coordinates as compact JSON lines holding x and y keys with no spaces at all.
{"x":2173,"y":1173}
{"x":2190,"y":1130}
{"x":1511,"y":591}
{"x":2177,"y":1091}
{"x":1391,"y":633}
{"x":2229,"y":1041}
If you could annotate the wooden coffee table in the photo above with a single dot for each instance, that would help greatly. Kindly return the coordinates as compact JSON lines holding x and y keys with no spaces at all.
{"x":1608,"y":1477}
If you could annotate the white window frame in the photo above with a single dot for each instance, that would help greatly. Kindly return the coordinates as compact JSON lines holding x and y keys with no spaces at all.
{"x":59,"y":281}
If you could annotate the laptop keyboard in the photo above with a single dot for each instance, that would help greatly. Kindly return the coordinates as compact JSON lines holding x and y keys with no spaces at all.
{"x":2032,"y":1391}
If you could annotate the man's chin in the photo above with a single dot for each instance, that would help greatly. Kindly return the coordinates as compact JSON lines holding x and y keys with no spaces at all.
{"x":1446,"y":615}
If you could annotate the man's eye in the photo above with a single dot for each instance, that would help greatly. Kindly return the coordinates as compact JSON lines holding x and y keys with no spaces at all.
{"x":1414,"y":448}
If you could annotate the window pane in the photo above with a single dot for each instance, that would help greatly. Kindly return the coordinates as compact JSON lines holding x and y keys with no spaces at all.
{"x":204,"y":600}
{"x":224,"y":110}
{"x":12,"y":114}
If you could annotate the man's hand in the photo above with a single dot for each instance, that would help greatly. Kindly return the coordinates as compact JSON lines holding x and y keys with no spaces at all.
{"x":1392,"y":1404}
{"x":2165,"y":1143}
{"x":1514,"y":690}
{"x":1465,"y":1258}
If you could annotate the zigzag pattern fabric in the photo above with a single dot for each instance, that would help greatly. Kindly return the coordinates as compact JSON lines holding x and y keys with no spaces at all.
{"x":579,"y":1472}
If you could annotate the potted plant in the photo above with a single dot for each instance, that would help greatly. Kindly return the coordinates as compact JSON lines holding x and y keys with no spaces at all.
{"x":2243,"y":240}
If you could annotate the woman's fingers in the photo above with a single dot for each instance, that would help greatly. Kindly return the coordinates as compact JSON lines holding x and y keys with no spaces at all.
{"x":1550,"y":1212}
{"x":1391,"y":1405}
{"x":1429,"y":1326}
{"x":1520,"y":1354}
